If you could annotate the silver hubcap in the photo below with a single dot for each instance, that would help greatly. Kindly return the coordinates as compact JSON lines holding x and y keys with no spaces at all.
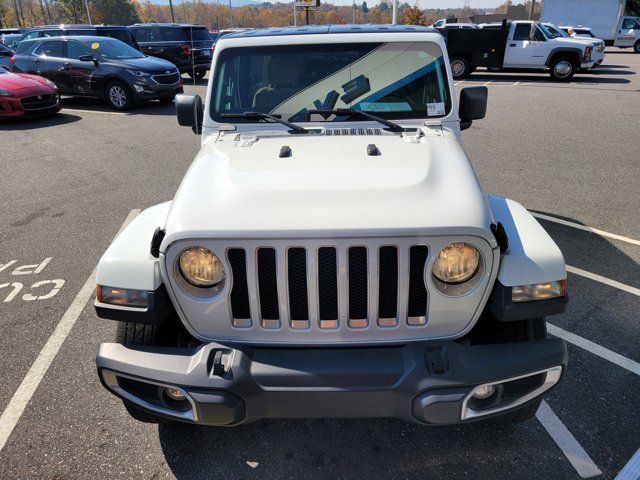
{"x":457,"y":67}
{"x":117,"y":96}
{"x":563,"y":69}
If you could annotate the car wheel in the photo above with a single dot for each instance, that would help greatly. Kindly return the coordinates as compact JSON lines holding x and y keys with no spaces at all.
{"x":562,"y":69}
{"x":460,"y":68}
{"x":197,"y":75}
{"x":636,"y":47}
{"x":118,"y":96}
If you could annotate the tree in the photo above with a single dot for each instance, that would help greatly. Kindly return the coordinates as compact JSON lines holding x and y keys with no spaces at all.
{"x":364,"y":7}
{"x":114,"y":12}
{"x":413,"y":16}
{"x":633,"y":8}
{"x":71,"y":11}
{"x":383,"y":6}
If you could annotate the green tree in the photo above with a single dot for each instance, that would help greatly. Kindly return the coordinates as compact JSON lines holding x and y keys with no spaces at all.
{"x":364,"y":7}
{"x":633,"y":8}
{"x":72,"y":11}
{"x":115,"y":12}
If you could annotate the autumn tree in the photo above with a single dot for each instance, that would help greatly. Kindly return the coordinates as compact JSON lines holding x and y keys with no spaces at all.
{"x":413,"y":16}
{"x":114,"y":12}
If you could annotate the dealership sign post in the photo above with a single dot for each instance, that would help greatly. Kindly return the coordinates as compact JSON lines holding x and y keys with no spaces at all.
{"x":306,"y":4}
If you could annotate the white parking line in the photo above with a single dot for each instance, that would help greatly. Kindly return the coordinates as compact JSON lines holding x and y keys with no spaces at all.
{"x":560,"y":434}
{"x":45,"y":358}
{"x":64,"y":109}
{"x":605,"y":280}
{"x":586,"y":228}
{"x":487,"y":83}
{"x":458,"y":83}
{"x":631,"y":471}
{"x":600,"y":351}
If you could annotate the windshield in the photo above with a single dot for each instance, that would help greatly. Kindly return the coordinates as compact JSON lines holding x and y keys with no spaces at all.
{"x":556,"y":32}
{"x":112,"y":49}
{"x":549,"y":32}
{"x":392,"y":80}
{"x":197,"y":34}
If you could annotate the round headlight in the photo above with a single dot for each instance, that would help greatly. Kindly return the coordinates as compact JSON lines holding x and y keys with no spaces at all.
{"x":201,"y":267}
{"x":456,"y":263}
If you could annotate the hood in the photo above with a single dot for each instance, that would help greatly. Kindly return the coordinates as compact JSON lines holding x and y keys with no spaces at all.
{"x":572,"y":42}
{"x":328,"y":187}
{"x":18,"y":83}
{"x":149,"y":64}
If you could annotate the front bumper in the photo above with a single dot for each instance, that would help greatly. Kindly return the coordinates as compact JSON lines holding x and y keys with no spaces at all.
{"x":423,"y":382}
{"x":154,"y":91}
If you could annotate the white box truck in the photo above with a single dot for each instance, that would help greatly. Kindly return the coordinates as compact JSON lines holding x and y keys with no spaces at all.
{"x":605,"y":18}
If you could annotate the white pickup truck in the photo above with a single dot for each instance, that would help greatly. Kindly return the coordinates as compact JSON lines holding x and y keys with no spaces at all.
{"x":330,"y":252}
{"x":598,"y":45}
{"x":519,"y":45}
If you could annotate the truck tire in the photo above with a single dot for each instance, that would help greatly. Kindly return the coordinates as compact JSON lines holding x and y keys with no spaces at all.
{"x":197,"y":75}
{"x":460,"y":68}
{"x":128,"y":333}
{"x":562,"y":68}
{"x":520,"y":415}
{"x":636,"y":47}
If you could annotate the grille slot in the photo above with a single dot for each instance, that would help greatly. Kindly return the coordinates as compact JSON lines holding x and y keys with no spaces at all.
{"x":297,"y":282}
{"x":328,"y":287}
{"x":38,"y":102}
{"x":268,"y":288}
{"x":417,"y":306}
{"x":352,"y":131}
{"x":167,"y":79}
{"x":358,"y":311}
{"x":239,"y":296}
{"x":388,"y":281}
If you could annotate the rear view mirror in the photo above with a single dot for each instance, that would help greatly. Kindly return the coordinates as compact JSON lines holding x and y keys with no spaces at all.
{"x":473,"y":105}
{"x":189,"y":111}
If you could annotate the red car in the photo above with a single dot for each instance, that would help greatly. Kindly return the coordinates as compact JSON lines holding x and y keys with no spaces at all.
{"x":22,"y":95}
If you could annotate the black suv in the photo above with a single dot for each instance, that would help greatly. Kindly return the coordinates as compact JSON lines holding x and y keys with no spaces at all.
{"x":113,"y":31}
{"x":187,"y":46}
{"x":99,"y":67}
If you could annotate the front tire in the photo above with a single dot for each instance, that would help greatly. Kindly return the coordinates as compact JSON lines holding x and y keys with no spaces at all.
{"x":562,"y":69}
{"x":460,"y":68}
{"x":636,"y":47}
{"x":118,"y":96}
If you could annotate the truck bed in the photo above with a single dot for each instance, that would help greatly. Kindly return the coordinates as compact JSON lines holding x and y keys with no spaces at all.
{"x":481,"y":47}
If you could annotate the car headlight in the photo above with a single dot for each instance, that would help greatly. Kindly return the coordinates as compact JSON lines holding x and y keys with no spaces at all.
{"x":456,"y":263}
{"x":50,"y":83}
{"x":137,"y":73}
{"x":201,"y":267}
{"x":5,"y":93}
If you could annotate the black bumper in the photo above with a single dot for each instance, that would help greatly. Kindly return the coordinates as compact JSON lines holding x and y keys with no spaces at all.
{"x":424,"y":382}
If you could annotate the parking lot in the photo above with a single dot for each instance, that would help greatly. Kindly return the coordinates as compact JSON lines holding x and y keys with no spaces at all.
{"x":569,"y":152}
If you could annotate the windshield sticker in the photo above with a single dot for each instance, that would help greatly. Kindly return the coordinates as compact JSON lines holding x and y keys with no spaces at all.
{"x":434,"y":109}
{"x":95,"y":46}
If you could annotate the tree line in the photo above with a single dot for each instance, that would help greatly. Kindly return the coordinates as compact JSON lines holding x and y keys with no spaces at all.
{"x":215,"y":16}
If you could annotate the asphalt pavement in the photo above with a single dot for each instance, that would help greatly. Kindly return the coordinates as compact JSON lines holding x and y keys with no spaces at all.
{"x":566,"y":151}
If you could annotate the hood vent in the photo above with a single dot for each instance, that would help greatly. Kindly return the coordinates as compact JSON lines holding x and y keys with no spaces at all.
{"x":352,"y":131}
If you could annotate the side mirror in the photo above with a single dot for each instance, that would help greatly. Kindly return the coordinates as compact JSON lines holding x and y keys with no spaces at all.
{"x":473,"y":105}
{"x":190,"y":112}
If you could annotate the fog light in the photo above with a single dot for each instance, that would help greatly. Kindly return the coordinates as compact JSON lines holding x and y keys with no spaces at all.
{"x":175,"y":394}
{"x":483,"y":391}
{"x":138,"y":88}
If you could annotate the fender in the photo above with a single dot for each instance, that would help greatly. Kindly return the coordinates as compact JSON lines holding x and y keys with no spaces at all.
{"x":532,"y":256}
{"x":127,"y":263}
{"x":564,"y":50}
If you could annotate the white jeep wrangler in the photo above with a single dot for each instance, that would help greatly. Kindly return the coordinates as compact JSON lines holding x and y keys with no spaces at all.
{"x":330,"y":252}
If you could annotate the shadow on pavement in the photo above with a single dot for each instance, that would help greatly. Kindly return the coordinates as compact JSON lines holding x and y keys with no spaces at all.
{"x":30,"y":123}
{"x":591,"y":76}
{"x":374,"y":448}
{"x":151,"y":107}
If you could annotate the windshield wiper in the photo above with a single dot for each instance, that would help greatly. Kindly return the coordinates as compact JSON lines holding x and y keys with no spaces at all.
{"x":394,"y":127}
{"x":265,"y":116}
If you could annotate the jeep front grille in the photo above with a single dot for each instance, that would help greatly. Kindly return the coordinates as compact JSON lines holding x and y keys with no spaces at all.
{"x":316,"y":274}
